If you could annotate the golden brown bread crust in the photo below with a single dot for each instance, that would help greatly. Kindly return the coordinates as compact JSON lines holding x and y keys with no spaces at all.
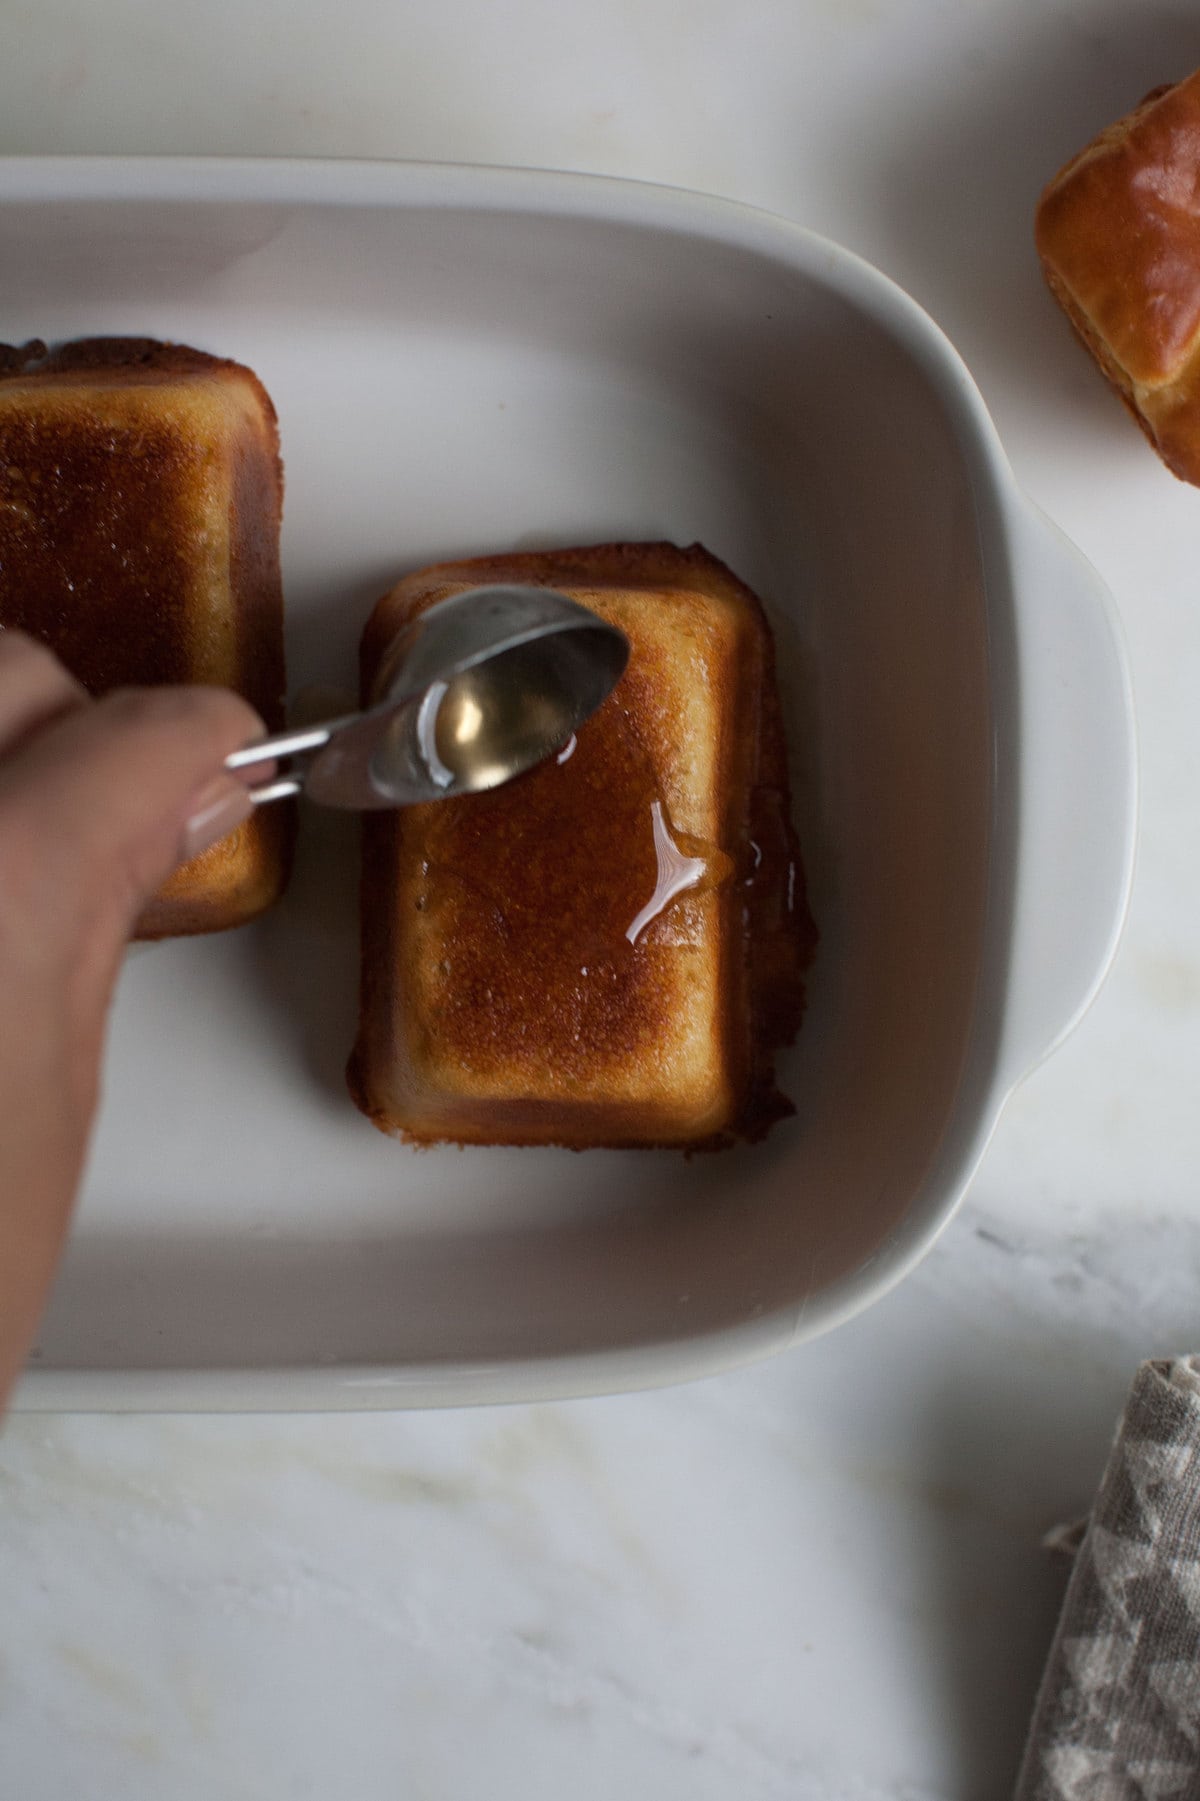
{"x":501,"y":999}
{"x":140,"y":503}
{"x":1118,"y":234}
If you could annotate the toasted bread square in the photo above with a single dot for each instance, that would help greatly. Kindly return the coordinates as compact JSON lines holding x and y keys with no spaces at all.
{"x":140,"y":503}
{"x":524,"y":980}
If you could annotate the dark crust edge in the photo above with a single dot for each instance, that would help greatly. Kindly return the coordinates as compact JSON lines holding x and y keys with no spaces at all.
{"x":157,"y":355}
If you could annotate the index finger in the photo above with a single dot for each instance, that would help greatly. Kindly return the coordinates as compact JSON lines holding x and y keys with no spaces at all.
{"x":110,"y":787}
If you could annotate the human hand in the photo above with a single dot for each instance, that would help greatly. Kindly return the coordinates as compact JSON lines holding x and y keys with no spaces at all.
{"x":99,"y":802}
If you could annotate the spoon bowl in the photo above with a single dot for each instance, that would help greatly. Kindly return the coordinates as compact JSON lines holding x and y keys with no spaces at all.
{"x":473,"y":692}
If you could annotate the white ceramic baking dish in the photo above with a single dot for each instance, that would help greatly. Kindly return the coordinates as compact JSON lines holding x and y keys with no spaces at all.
{"x":472,"y":360}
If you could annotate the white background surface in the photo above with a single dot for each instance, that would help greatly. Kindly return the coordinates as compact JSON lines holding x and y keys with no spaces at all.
{"x":820,"y":1577}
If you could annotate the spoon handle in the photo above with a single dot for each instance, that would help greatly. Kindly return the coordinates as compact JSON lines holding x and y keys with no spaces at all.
{"x":283,"y":745}
{"x":409,"y":720}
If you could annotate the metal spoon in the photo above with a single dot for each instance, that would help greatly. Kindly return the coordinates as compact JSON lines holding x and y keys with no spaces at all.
{"x":478,"y":688}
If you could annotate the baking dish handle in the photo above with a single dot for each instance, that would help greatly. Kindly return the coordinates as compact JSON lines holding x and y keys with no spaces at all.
{"x":1067,"y":795}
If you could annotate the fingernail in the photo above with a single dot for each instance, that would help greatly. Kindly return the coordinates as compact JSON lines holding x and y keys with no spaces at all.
{"x":216,"y":811}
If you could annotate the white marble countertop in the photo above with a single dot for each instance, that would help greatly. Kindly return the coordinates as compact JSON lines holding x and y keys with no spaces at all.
{"x":821,"y":1577}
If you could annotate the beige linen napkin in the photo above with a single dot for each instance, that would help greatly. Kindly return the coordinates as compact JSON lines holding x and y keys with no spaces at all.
{"x":1118,"y":1714}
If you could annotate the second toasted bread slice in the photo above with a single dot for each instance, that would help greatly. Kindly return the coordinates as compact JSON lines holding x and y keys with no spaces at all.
{"x":140,"y":502}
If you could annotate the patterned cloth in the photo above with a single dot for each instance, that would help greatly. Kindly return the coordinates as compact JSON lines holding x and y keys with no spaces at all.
{"x":1118,"y":1715}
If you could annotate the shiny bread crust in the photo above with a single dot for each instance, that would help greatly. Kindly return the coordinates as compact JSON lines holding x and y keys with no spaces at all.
{"x":1118,"y":235}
